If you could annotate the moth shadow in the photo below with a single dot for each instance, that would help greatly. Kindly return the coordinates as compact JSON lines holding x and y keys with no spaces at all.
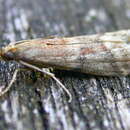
{"x":69,"y":73}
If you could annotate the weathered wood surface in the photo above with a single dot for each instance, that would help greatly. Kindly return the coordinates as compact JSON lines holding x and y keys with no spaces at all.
{"x":36,"y":102}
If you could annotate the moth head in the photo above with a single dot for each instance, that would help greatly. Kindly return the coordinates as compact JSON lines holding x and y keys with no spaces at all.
{"x":7,"y":53}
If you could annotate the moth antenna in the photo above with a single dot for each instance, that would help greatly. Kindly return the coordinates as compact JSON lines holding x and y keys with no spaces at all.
{"x":10,"y":84}
{"x":51,"y":75}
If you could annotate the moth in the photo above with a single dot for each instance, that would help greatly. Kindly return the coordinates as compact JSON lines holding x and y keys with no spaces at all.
{"x":106,"y":54}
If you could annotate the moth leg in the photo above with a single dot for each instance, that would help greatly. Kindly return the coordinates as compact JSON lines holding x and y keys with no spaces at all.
{"x":10,"y":84}
{"x":3,"y":92}
{"x":49,"y":74}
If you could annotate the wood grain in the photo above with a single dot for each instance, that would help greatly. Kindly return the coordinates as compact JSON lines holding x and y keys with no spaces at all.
{"x":36,"y":102}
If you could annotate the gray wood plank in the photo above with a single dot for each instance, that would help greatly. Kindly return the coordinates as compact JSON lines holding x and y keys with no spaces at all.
{"x":35,"y":102}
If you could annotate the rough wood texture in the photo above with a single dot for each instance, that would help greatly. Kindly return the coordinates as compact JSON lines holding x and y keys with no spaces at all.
{"x":36,"y":102}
